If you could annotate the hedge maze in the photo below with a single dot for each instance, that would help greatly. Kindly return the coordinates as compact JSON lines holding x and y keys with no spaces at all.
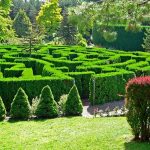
{"x":99,"y":74}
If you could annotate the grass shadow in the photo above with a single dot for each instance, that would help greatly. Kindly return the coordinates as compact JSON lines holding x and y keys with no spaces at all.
{"x":134,"y":145}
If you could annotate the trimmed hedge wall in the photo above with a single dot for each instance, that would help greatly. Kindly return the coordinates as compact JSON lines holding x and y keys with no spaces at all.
{"x":82,"y":80}
{"x":106,"y":87}
{"x":125,"y":41}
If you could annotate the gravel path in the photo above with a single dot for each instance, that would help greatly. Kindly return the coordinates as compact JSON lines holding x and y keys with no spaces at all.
{"x":88,"y":109}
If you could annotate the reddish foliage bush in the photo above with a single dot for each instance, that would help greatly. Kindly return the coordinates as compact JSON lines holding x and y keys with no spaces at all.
{"x":138,"y":104}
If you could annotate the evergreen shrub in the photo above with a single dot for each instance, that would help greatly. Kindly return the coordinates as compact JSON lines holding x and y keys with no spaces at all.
{"x":2,"y":110}
{"x":47,"y":106}
{"x":20,"y":107}
{"x":74,"y":105}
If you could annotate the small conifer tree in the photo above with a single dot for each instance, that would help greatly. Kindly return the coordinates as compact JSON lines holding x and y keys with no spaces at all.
{"x":74,"y":105}
{"x":20,"y":107}
{"x":2,"y":110}
{"x":47,"y":107}
{"x":146,"y":44}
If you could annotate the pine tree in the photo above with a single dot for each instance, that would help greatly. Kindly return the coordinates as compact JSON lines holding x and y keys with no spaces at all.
{"x":74,"y":105}
{"x":22,"y":24}
{"x":67,"y":30}
{"x":146,"y":44}
{"x":20,"y":107}
{"x":2,"y":110}
{"x":47,"y":107}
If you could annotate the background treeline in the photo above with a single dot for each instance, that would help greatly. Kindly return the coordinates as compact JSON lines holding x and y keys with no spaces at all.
{"x":74,"y":22}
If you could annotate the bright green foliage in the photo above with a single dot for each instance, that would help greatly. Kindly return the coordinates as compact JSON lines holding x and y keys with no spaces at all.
{"x":108,"y":12}
{"x":47,"y":107}
{"x":5,"y":5}
{"x":20,"y":107}
{"x":74,"y":105}
{"x":146,"y":45}
{"x":49,"y":16}
{"x":22,"y":24}
{"x":2,"y":110}
{"x":74,"y":133}
{"x":6,"y":31}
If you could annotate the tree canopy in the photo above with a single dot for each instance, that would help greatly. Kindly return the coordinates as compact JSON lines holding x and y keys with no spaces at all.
{"x":49,"y":16}
{"x":110,"y":12}
{"x":6,"y":30}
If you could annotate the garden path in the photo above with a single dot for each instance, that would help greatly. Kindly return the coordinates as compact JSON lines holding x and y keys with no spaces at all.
{"x":88,"y":110}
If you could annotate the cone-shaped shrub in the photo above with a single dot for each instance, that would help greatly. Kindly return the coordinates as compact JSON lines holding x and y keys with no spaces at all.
{"x":2,"y":110}
{"x":74,"y":105}
{"x":20,"y":107}
{"x":47,"y":107}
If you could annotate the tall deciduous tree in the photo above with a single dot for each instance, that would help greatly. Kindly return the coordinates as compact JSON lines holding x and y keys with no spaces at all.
{"x":6,"y":30}
{"x":49,"y":16}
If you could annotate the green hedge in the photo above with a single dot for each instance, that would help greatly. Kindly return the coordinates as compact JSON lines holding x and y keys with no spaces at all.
{"x":130,"y":41}
{"x":82,"y":80}
{"x":33,"y":87}
{"x":106,"y":87}
{"x":60,"y":63}
{"x":1,"y":75}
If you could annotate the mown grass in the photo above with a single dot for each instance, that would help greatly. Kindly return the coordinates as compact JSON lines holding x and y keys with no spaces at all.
{"x":76,"y":133}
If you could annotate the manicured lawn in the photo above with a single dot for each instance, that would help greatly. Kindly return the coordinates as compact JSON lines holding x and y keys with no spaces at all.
{"x":75,"y":133}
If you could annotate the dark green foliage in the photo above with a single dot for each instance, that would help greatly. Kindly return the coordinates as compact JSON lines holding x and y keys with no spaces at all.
{"x":107,"y":87}
{"x":82,"y":80}
{"x":47,"y":107}
{"x":138,"y":105}
{"x":33,"y":87}
{"x":2,"y":110}
{"x":20,"y":107}
{"x":62,"y":104}
{"x":60,"y":63}
{"x":73,"y":104}
{"x":146,"y":44}
{"x":129,"y":41}
{"x":31,"y":8}
{"x":67,"y":31}
{"x":22,"y":24}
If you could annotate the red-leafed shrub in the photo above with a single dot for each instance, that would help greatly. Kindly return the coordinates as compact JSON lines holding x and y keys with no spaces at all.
{"x":138,"y":104}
